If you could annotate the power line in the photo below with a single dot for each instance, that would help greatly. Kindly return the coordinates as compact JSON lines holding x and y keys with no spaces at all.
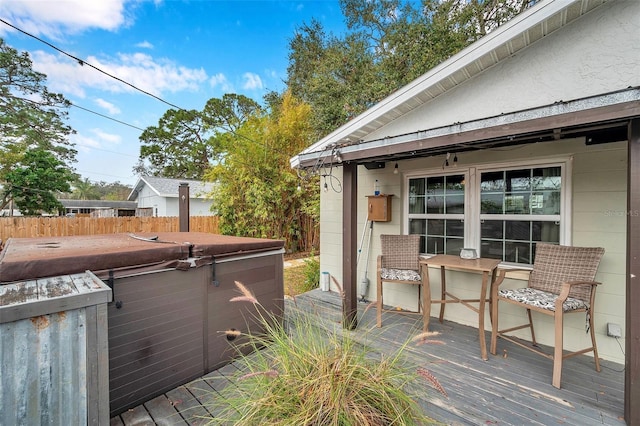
{"x":106,"y":116}
{"x":83,"y":62}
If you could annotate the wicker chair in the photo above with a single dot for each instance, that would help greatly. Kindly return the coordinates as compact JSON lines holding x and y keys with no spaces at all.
{"x":399,"y":263}
{"x":561,"y":282}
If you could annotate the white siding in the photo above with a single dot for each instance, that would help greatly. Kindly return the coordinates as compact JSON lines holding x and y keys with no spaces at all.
{"x":597,"y":54}
{"x":197,"y":207}
{"x":168,"y":206}
{"x":598,"y":219}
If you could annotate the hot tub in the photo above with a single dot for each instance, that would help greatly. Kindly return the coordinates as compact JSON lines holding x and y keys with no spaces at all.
{"x":171,"y":291}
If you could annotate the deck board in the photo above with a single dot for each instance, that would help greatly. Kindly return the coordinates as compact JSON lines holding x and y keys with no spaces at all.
{"x":511,"y":388}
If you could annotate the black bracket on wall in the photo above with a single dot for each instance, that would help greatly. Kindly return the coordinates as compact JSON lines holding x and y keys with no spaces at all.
{"x":214,"y":281}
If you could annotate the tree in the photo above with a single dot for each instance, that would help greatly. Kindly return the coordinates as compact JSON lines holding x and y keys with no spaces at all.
{"x":185,"y":143}
{"x":257,"y":192}
{"x":33,"y":181}
{"x":31,"y":117}
{"x":389,"y":44}
{"x":83,"y":189}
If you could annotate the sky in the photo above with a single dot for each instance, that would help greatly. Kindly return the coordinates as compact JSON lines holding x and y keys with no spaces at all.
{"x":183,"y":52}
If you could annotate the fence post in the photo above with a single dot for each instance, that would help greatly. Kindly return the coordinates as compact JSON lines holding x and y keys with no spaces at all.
{"x":183,"y":209}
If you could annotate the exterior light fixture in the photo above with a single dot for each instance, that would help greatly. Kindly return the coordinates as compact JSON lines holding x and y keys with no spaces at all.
{"x":395,"y":169}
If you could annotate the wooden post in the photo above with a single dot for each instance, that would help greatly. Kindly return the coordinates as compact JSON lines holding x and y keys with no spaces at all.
{"x":183,"y":206}
{"x":349,"y":249}
{"x":632,"y":320}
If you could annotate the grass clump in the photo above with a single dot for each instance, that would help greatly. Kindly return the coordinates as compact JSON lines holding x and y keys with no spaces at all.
{"x":311,"y":273}
{"x":310,"y":376}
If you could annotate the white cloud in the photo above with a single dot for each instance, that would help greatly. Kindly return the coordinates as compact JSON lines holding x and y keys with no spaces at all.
{"x":108,"y":106}
{"x":220,"y":80}
{"x":144,"y":45}
{"x":107,"y":137}
{"x":152,"y":75}
{"x":84,"y":143}
{"x":54,"y":18}
{"x":252,"y":81}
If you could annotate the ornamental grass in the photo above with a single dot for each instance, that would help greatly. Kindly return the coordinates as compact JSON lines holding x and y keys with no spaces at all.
{"x":302,"y":374}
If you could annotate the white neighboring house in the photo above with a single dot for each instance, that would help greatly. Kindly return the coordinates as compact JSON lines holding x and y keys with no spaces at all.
{"x":161,"y":194}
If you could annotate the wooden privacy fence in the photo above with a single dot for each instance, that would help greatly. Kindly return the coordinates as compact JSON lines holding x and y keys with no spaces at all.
{"x":27,"y":227}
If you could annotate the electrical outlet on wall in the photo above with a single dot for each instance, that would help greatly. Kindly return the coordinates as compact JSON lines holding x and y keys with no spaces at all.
{"x":613,"y":330}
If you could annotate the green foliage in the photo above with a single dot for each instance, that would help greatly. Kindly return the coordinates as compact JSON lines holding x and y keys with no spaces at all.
{"x":84,"y":189}
{"x":185,"y":144}
{"x":34,"y":180}
{"x":31,"y":118}
{"x":311,"y":273}
{"x":257,"y":191}
{"x":389,"y":44}
{"x":307,"y":375}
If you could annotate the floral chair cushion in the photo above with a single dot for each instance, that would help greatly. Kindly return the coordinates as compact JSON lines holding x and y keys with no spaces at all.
{"x":400,"y":274}
{"x":542,"y":299}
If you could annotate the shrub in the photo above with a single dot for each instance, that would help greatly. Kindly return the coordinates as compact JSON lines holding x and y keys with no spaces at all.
{"x":311,"y":273}
{"x":309,"y":376}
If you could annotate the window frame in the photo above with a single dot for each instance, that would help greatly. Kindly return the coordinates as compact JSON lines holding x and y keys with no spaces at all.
{"x":472,"y":195}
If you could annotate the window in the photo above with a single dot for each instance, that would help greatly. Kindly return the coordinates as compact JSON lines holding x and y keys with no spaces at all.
{"x":502,"y":212}
{"x":436,"y":213}
{"x":517,"y":209}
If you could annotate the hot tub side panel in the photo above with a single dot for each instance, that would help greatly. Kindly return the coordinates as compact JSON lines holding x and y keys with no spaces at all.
{"x":262,"y":274}
{"x":156,"y":334}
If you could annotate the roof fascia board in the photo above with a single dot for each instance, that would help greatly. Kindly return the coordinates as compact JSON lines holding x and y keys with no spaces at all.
{"x":517,"y":26}
{"x":613,"y":106}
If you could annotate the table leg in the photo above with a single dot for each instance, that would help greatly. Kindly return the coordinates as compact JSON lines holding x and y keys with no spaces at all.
{"x":483,"y":297}
{"x":494,"y":273}
{"x":426,"y":298}
{"x":444,"y":293}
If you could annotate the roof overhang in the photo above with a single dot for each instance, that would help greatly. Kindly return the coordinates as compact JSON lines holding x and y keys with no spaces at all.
{"x":582,"y":117}
{"x":525,"y":29}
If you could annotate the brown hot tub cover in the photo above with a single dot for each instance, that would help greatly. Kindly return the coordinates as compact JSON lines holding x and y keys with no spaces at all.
{"x":29,"y":258}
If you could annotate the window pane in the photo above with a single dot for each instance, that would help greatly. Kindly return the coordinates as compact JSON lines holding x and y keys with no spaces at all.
{"x":455,"y":184}
{"x":547,"y":232}
{"x":492,"y":182}
{"x":517,"y":252}
{"x":416,"y":204}
{"x":455,"y":204}
{"x":417,"y":196}
{"x":491,"y":249}
{"x":518,"y":180}
{"x":435,"y":227}
{"x":435,"y":204}
{"x":492,"y":229}
{"x":454,"y":245}
{"x":491,"y":203}
{"x":516,"y":203}
{"x":547,"y":178}
{"x":514,"y":230}
{"x":547,"y":202}
{"x":435,"y":185}
{"x":435,"y":245}
{"x":417,"y":226}
{"x":455,"y":228}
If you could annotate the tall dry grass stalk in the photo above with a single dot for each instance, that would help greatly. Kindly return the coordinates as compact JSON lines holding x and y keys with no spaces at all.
{"x":306,"y":375}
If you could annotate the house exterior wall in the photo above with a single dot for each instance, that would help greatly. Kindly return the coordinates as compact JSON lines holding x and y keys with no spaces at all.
{"x":602,"y":48}
{"x":597,"y":175}
{"x":168,"y":206}
{"x":197,"y":207}
{"x":148,"y":198}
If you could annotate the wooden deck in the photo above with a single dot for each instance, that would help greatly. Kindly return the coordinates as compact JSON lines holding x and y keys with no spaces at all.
{"x":513,"y":388}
